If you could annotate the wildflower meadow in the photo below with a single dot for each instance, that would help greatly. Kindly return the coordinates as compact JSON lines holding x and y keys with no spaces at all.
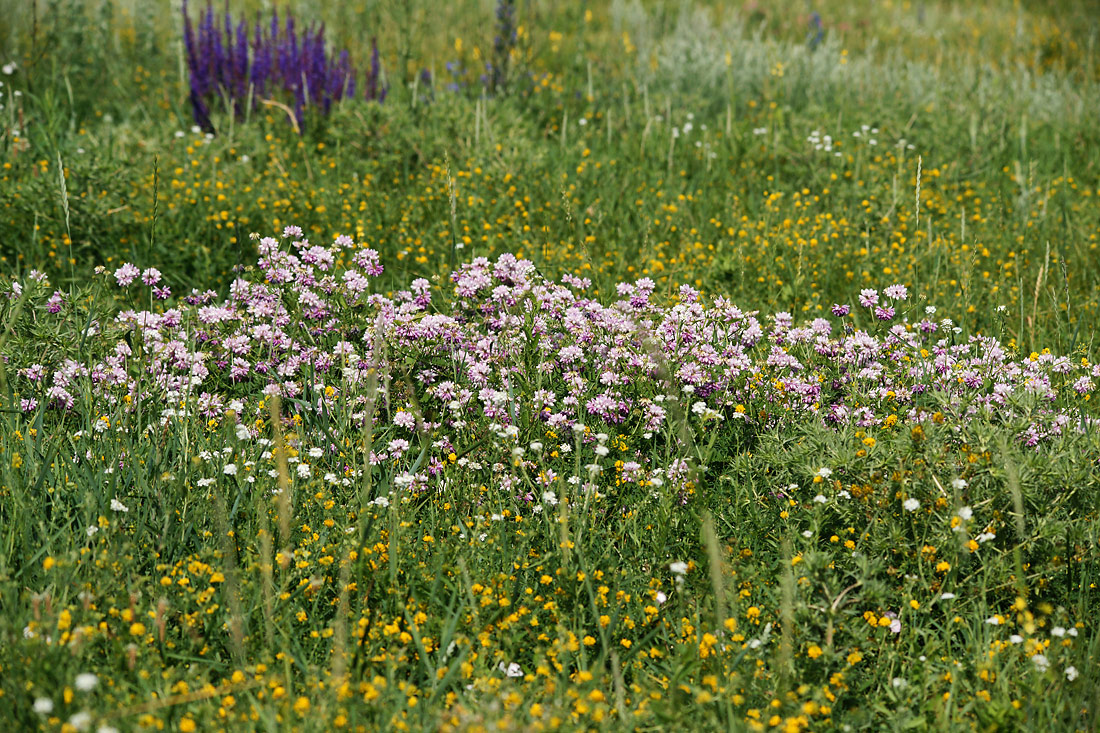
{"x":500,"y":365}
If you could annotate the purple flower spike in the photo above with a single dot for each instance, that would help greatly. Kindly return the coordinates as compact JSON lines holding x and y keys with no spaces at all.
{"x":232,"y":72}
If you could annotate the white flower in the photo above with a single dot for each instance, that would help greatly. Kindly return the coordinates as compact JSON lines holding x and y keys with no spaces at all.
{"x":1041,"y":662}
{"x":536,"y":447}
{"x":820,"y":499}
{"x":911,"y":505}
{"x":118,"y":506}
{"x":965,"y":513}
{"x":316,"y":452}
{"x":661,"y":597}
{"x":230,"y":469}
{"x":947,"y":596}
{"x":43,"y":705}
{"x":993,"y":621}
{"x":85,"y":681}
{"x":601,"y":450}
{"x":679,"y":567}
{"x":512,"y":670}
{"x":1058,"y":631}
{"x":824,"y":472}
{"x":550,"y":498}
{"x":959,"y":484}
{"x":9,"y":68}
{"x":1016,"y":639}
{"x":808,"y":534}
{"x":1071,"y":673}
{"x":303,"y":470}
{"x":899,"y":683}
{"x":80,"y":720}
{"x":518,"y":452}
{"x":91,"y":530}
{"x":381,"y":501}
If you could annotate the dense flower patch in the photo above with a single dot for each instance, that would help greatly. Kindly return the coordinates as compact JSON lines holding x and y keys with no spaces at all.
{"x":529,"y":355}
{"x":238,"y":66}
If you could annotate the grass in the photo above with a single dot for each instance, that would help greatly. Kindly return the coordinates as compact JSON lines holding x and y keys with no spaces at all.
{"x":494,"y":448}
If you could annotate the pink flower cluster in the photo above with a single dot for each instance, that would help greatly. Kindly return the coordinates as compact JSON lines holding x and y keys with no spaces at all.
{"x":506,"y":351}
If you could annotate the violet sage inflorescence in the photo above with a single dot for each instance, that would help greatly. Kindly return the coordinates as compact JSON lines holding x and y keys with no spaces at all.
{"x":238,"y":67}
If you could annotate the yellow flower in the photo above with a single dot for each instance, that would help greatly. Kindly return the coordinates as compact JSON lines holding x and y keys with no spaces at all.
{"x":814,"y":651}
{"x":855,"y":657}
{"x":48,"y":563}
{"x":187,"y":725}
{"x":301,"y":705}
